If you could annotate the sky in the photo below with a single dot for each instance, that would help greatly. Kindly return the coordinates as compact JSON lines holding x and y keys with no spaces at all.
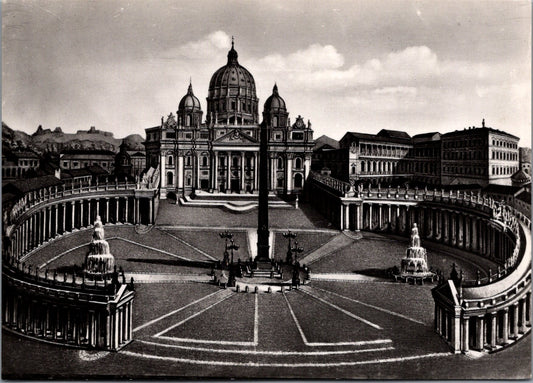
{"x":358,"y":65}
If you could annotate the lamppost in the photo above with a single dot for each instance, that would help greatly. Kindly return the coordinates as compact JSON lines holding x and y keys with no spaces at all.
{"x":226,"y":235}
{"x":296,"y":269}
{"x":296,"y":250}
{"x":233,"y":247}
{"x":290,"y":235}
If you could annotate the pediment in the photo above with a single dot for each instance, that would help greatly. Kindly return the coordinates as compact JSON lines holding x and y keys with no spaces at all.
{"x":236,"y":137}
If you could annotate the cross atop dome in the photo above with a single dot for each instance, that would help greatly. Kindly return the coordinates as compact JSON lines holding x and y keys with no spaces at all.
{"x":232,"y":54}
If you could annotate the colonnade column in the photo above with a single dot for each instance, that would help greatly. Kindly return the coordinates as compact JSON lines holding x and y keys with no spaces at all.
{"x":73,"y":217}
{"x":480,"y":333}
{"x":49,"y":214}
{"x":256,"y":171}
{"x":137,"y":213}
{"x":515,"y":320}
{"x":163,"y":176}
{"x":107,"y":220}
{"x":347,"y":217}
{"x":116,"y":210}
{"x":197,"y":178}
{"x":180,"y":172}
{"x":370,"y":217}
{"x":289,"y":174}
{"x":228,"y":173}
{"x":505,"y":338}
{"x":493,"y":332}
{"x":126,"y":215}
{"x":466,"y":335}
{"x":63,"y":225}
{"x":243,"y":163}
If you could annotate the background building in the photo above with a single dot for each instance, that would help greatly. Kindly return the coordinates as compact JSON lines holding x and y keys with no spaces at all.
{"x":17,"y":164}
{"x":424,"y":159}
{"x":222,"y":154}
{"x":479,"y":156}
{"x":374,"y":158}
{"x":79,"y":158}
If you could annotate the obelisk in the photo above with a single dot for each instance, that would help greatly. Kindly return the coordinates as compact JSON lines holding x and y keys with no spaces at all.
{"x":263,"y":247}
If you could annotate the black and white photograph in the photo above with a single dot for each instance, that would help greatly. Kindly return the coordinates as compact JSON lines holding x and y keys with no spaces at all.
{"x":254,"y":190}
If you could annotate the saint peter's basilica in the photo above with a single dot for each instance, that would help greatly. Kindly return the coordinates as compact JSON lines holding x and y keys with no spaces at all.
{"x":221,"y":154}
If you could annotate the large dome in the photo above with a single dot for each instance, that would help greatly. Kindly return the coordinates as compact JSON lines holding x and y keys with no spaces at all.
{"x":189,"y":102}
{"x":232,"y":96}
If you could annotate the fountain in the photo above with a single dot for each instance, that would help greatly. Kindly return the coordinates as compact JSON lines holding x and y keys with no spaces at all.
{"x":414,"y":265}
{"x":99,"y":262}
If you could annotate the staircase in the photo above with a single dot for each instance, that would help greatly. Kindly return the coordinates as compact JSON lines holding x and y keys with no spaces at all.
{"x":265,"y":270}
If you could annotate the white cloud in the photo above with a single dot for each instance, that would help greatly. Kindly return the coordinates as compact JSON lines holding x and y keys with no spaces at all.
{"x":208,"y":47}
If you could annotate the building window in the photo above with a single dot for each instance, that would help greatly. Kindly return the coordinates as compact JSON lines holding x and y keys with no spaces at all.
{"x":353,"y":169}
{"x":188,"y":161}
{"x":204,"y":161}
{"x":297,"y":136}
{"x":277,"y":136}
{"x":275,"y":121}
{"x":280,"y":163}
{"x":298,"y":163}
{"x":170,"y":160}
{"x":170,"y":178}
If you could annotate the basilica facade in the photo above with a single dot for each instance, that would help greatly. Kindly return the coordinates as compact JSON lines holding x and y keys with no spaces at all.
{"x":221,"y":152}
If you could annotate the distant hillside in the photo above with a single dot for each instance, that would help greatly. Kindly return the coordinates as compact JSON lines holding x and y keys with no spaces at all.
{"x":46,"y":140}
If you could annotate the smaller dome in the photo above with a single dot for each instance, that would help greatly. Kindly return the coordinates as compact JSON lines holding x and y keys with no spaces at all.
{"x":520,"y":177}
{"x":190,"y":101}
{"x":275,"y":102}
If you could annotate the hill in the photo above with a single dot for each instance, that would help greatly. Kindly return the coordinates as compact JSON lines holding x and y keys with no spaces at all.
{"x":46,"y":140}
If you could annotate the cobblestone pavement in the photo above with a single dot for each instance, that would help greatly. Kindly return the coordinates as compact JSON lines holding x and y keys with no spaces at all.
{"x":364,"y":326}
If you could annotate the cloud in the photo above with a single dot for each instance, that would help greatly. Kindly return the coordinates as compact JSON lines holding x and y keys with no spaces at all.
{"x":208,"y":47}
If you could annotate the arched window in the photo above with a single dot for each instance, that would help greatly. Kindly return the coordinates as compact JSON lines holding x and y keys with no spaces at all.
{"x":170,"y":178}
{"x":353,"y":169}
{"x":275,"y":121}
{"x":298,"y":180}
{"x":170,"y":160}
{"x":280,"y":163}
{"x":298,"y":163}
{"x":362,"y":166}
{"x":204,"y":161}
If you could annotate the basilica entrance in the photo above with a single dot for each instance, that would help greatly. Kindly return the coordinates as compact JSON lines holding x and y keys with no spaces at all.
{"x":235,"y":185}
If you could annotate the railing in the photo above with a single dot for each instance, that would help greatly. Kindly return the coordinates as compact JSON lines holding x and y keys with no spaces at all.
{"x":465,"y":198}
{"x":37,"y":197}
{"x":67,"y":284}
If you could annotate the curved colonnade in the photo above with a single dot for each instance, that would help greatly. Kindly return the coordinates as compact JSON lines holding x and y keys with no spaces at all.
{"x":483,"y":314}
{"x":68,"y":308}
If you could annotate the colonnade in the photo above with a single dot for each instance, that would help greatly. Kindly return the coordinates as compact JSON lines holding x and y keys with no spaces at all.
{"x":454,"y":227}
{"x":482,"y":314}
{"x":69,"y":310}
{"x":59,"y":217}
{"x":489,"y":329}
{"x":95,"y":320}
